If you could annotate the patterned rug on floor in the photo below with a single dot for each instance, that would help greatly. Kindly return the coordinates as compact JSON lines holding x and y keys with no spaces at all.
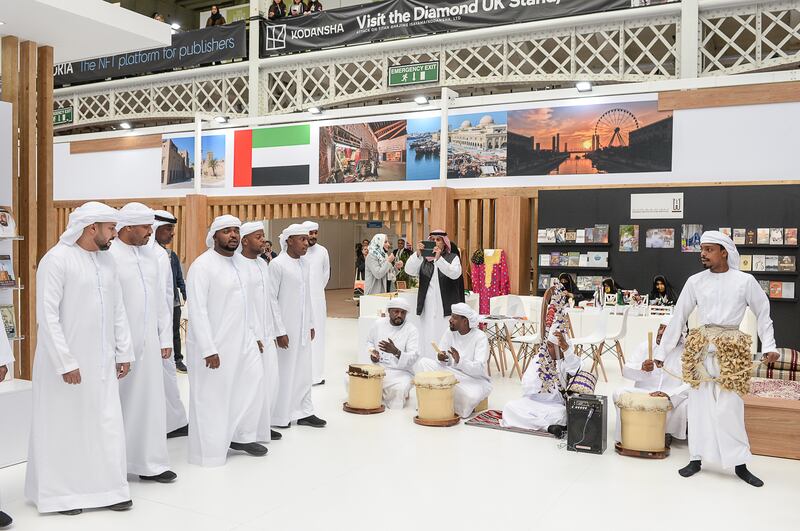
{"x":491,"y":419}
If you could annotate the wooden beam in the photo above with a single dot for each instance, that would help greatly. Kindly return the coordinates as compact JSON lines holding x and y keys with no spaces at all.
{"x":114,"y":144}
{"x":46,"y":214}
{"x":196,"y":226}
{"x":443,"y":210}
{"x":727,"y":96}
{"x":514,"y":216}
{"x":26,"y":216}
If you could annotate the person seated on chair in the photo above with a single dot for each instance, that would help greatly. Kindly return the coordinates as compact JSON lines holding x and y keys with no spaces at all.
{"x":544,"y":384}
{"x":464,"y":351}
{"x":650,"y":377}
{"x":393,"y":343}
{"x":662,"y":293}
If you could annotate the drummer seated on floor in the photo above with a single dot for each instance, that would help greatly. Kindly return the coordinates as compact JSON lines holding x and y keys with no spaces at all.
{"x":464,"y":351}
{"x":394,"y":344}
{"x":650,"y":377}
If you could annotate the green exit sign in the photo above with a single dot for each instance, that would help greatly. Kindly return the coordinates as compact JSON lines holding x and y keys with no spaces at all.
{"x":62,"y":116}
{"x":413,"y":74}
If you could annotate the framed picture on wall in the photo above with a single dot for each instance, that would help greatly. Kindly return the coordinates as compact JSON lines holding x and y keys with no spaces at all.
{"x":629,"y":238}
{"x":690,"y":238}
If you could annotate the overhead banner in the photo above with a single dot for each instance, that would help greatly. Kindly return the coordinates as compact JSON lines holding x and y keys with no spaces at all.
{"x":188,"y":49}
{"x":411,"y":18}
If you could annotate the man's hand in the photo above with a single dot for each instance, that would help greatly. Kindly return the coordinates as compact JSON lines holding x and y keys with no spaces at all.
{"x":282,"y":341}
{"x":454,"y":353}
{"x":374,"y":355}
{"x":389,"y":346}
{"x":771,"y":357}
{"x":72,"y":377}
{"x":437,"y":252}
{"x":260,"y":346}
{"x":562,"y":341}
{"x":313,"y":334}
{"x":442,"y":356}
{"x":398,"y":265}
{"x":166,"y":353}
{"x":3,"y":372}
{"x":659,"y":393}
{"x":420,"y":248}
{"x":122,"y":370}
{"x":648,"y":365}
{"x":212,"y":361}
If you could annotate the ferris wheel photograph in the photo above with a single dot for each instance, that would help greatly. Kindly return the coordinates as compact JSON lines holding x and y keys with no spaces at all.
{"x":619,"y":137}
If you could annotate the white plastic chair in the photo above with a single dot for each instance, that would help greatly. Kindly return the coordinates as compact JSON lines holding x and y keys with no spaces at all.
{"x":613,"y":342}
{"x":592,"y":345}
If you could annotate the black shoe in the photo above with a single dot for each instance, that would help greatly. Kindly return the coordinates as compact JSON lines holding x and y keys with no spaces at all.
{"x":746,"y":476}
{"x":321,"y":382}
{"x":556,"y":430}
{"x":167,"y":476}
{"x":71,"y":512}
{"x":180,"y":367}
{"x":180,"y":432}
{"x":121,"y":506}
{"x":275,"y":435}
{"x":255,"y":449}
{"x":284,"y":427}
{"x":691,"y":469}
{"x":313,"y":421}
{"x":5,"y":520}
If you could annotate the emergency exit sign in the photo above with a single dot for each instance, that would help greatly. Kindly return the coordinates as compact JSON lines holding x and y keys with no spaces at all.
{"x":413,"y":74}
{"x":62,"y":116}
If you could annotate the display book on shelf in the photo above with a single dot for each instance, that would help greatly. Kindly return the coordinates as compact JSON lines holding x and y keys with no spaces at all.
{"x":575,"y":261}
{"x":755,"y":249}
{"x":10,"y":313}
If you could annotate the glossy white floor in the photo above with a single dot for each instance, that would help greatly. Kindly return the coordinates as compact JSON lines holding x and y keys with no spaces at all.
{"x":384,"y":472}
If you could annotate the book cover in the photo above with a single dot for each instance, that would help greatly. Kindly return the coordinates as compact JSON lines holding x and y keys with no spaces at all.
{"x":759,"y":262}
{"x":762,"y":237}
{"x":563,"y":260}
{"x":764,"y":285}
{"x":727,"y":231}
{"x":9,"y":320}
{"x":775,"y":289}
{"x":598,"y":259}
{"x":584,"y":283}
{"x":544,"y":281}
{"x":601,"y":234}
{"x":7,"y":278}
{"x":771,"y":263}
{"x":750,"y":237}
{"x":739,"y":236}
{"x":551,"y":236}
{"x":787,"y":263}
{"x":790,"y":236}
{"x":597,"y":281}
{"x":629,"y":238}
{"x":8,"y":226}
{"x":589,"y":234}
{"x":544,"y":260}
{"x":574,"y":259}
{"x":561,"y":235}
{"x":555,"y":259}
{"x":787,"y":290}
{"x":690,"y":238}
{"x":746,"y":262}
{"x":776,"y":236}
{"x":542,"y":236}
{"x":580,"y":236}
{"x":571,"y":235}
{"x":584,"y":260}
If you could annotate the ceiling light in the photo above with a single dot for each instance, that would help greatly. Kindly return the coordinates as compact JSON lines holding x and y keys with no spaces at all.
{"x":583,"y":86}
{"x":126,"y":125}
{"x":315,"y":110}
{"x":221,"y":119}
{"x":421,"y":100}
{"x":175,"y":26}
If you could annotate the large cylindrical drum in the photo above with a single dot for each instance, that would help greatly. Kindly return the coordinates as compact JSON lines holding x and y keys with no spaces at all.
{"x":435,"y":395}
{"x":644,"y":420}
{"x":366,"y":386}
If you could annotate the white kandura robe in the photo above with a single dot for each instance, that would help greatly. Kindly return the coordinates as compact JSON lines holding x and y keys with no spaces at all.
{"x":291,"y":294}
{"x":176,"y":411}
{"x":399,"y":371}
{"x":716,"y":417}
{"x":433,"y":322}
{"x":657,"y":380}
{"x":319,"y":272}
{"x":258,"y":288}
{"x":224,"y":403}
{"x":76,"y":457}
{"x":471,"y":371}
{"x":538,"y":410}
{"x":142,"y":391}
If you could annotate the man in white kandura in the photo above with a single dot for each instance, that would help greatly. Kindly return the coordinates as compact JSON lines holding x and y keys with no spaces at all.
{"x":225,"y":371}
{"x":393,"y":342}
{"x":721,"y":295}
{"x":76,"y":458}
{"x":6,"y":361}
{"x":465,"y":353}
{"x":163,"y":233}
{"x":294,"y":328}
{"x":651,"y":378}
{"x":149,"y":317}
{"x":441,"y":285}
{"x":319,"y":272}
{"x":259,"y":288}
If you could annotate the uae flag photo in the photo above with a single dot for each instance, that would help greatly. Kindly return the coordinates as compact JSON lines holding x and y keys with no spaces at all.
{"x":272,"y":156}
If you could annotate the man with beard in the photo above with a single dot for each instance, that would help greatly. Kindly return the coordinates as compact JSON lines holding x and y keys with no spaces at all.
{"x":225,"y":372}
{"x":76,"y":458}
{"x":319,"y":272}
{"x":294,"y":328}
{"x":394,"y":343}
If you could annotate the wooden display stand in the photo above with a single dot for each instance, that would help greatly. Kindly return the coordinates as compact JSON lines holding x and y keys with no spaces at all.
{"x":773,"y":426}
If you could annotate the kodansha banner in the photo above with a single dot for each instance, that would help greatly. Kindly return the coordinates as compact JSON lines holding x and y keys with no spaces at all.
{"x":410,"y":18}
{"x":188,"y":49}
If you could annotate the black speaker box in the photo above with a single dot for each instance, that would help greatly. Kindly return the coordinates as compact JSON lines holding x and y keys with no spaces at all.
{"x":587,"y":423}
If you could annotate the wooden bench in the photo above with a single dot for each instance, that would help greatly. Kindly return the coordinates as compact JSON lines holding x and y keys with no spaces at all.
{"x":773,"y":426}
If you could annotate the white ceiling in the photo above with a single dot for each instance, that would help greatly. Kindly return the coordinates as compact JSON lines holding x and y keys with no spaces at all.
{"x":80,"y":29}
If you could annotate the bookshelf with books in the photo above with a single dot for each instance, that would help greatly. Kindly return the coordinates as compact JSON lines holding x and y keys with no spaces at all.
{"x":10,"y":286}
{"x":573,"y":251}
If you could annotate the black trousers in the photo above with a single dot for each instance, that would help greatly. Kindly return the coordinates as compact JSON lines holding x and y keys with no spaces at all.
{"x":176,"y":333}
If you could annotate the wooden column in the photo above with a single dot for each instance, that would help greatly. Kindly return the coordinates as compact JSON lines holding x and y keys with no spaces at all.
{"x":26,"y":215}
{"x":443,"y":211}
{"x":514,"y":237}
{"x":196,"y":225}
{"x":46,"y":213}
